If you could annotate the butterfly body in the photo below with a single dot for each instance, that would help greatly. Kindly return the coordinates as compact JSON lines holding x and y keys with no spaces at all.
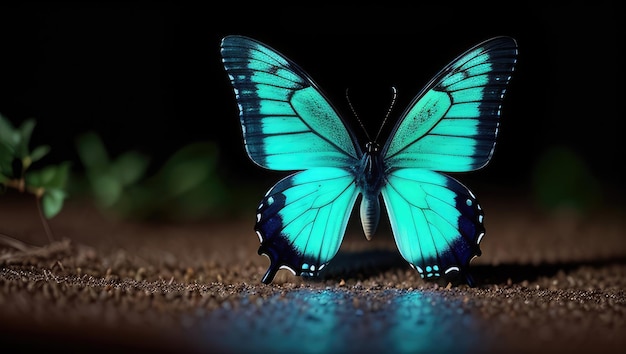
{"x":450,"y":126}
{"x":369,"y":181}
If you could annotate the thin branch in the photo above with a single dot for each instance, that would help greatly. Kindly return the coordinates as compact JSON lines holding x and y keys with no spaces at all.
{"x":46,"y":226}
{"x":39,"y":252}
{"x":17,"y":244}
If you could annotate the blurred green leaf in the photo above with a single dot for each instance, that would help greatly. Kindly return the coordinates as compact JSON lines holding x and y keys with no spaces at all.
{"x":51,"y":181}
{"x":14,"y":146}
{"x":185,"y":187}
{"x":25,"y":131}
{"x":48,"y":183}
{"x":129,"y":167}
{"x":8,"y":135}
{"x":106,"y":189}
{"x":49,"y":177}
{"x":59,"y":179}
{"x":6,"y":161}
{"x":92,"y":152}
{"x":52,"y":202}
{"x":108,"y":178}
{"x":188,"y":167}
{"x":39,"y":152}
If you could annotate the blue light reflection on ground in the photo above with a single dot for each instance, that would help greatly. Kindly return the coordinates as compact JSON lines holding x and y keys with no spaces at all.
{"x":325,"y":321}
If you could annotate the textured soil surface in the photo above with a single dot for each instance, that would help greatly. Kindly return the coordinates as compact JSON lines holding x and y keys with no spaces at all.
{"x":545,"y":283}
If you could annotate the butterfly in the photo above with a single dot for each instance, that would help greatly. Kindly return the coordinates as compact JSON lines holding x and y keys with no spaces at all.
{"x":288,"y":124}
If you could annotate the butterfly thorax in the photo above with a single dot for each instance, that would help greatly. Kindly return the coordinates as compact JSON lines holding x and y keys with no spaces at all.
{"x":369,"y":181}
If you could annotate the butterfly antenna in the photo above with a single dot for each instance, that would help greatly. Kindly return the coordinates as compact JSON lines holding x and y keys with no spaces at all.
{"x":393,"y":102}
{"x":356,"y":115}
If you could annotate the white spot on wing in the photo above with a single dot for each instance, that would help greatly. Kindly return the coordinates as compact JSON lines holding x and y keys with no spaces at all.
{"x":480,"y":237}
{"x":452,"y":269}
{"x":288,"y":268}
{"x":260,"y":236}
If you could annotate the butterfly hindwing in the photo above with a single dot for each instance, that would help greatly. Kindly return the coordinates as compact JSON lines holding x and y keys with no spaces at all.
{"x":436,"y":221}
{"x":452,"y":124}
{"x":287,"y":122}
{"x":302,"y":219}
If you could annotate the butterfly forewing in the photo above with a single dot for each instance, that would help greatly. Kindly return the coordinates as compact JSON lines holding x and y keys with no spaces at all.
{"x":452,"y":124}
{"x":287,"y":122}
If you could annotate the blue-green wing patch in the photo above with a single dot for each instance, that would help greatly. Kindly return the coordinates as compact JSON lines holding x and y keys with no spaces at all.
{"x":287,"y":122}
{"x":452,"y":124}
{"x":302,"y":220}
{"x":436,"y":221}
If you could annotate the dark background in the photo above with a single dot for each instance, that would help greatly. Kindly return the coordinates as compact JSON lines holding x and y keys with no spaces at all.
{"x":148,"y":76}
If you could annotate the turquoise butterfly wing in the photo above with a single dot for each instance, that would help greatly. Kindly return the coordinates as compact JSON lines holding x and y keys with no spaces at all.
{"x":288,"y":124}
{"x":302,"y":220}
{"x":451,"y":126}
{"x":437,"y":222}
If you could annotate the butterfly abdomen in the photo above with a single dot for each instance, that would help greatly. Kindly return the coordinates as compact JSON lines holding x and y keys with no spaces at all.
{"x":369,"y":181}
{"x":370,"y":214}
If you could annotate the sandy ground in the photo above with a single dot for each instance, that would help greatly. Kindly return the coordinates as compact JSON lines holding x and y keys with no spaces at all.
{"x":545,"y":283}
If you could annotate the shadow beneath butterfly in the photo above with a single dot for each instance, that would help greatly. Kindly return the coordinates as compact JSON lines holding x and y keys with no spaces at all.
{"x":369,"y":264}
{"x":517,"y":273}
{"x":362,"y":265}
